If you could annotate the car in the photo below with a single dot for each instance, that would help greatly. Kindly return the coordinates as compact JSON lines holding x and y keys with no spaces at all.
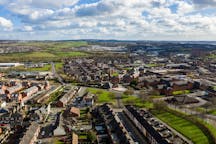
{"x":43,"y":133}
{"x":50,"y":134}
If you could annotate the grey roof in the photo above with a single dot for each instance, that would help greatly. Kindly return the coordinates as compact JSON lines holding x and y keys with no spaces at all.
{"x":30,"y":133}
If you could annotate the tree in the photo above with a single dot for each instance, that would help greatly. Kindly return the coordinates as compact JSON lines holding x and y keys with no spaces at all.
{"x":112,"y":95}
{"x":91,"y":136}
{"x":129,"y":92}
{"x":160,"y":105}
{"x":143,"y":95}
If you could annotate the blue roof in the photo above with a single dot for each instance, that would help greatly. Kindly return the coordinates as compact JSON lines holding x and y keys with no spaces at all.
{"x":3,"y":110}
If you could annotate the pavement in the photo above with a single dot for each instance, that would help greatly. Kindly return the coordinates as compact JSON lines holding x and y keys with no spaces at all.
{"x":56,"y":74}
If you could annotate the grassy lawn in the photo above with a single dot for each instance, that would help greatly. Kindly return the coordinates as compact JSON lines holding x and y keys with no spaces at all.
{"x":180,"y":92}
{"x":58,"y":66}
{"x":185,"y":127}
{"x":156,"y":97}
{"x":208,"y":111}
{"x":39,"y":56}
{"x":70,"y":54}
{"x":136,"y":101}
{"x":55,"y":96}
{"x":211,"y":56}
{"x":103,"y":96}
{"x":51,"y":45}
{"x":210,"y":127}
{"x":83,"y":114}
{"x":212,"y":112}
{"x":83,"y":136}
{"x":56,"y":141}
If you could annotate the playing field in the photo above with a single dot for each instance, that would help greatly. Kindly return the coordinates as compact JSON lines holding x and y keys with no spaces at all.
{"x":185,"y":127}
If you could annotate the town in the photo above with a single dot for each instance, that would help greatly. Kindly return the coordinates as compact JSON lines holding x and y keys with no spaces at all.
{"x":122,"y":93}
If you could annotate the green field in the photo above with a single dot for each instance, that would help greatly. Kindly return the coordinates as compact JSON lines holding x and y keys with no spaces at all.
{"x":70,"y":54}
{"x":185,"y":127}
{"x":136,"y":101}
{"x":39,"y":56}
{"x":212,"y":56}
{"x":45,"y":68}
{"x":212,"y":112}
{"x":103,"y":96}
{"x":48,"y":45}
{"x":180,"y":92}
{"x":59,"y":66}
{"x":55,"y":96}
{"x":49,"y":51}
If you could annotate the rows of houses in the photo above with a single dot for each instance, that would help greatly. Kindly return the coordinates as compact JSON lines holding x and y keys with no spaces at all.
{"x":63,"y":101}
{"x":31,"y":134}
{"x":17,"y":91}
{"x":155,"y":131}
{"x":115,"y":130}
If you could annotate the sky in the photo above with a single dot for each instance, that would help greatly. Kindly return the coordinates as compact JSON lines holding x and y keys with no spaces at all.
{"x":108,"y":19}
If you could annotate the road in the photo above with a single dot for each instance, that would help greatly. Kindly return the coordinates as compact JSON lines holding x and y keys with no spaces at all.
{"x":130,"y":127}
{"x":118,"y":96}
{"x":56,"y":74}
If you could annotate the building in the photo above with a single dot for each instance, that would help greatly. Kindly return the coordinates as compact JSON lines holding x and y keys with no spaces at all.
{"x":115,"y":129}
{"x":13,"y":119}
{"x":74,"y":138}
{"x":63,"y":101}
{"x":155,"y":131}
{"x":31,"y":134}
{"x":8,"y":65}
{"x":13,"y":89}
{"x":75,"y":112}
{"x":28,"y":92}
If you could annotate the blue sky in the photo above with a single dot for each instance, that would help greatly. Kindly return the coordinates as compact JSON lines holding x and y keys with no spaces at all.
{"x":108,"y":19}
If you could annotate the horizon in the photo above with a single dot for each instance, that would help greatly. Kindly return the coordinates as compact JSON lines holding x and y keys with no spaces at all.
{"x":123,"y":40}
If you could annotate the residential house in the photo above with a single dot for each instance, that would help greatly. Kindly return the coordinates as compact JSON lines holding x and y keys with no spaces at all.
{"x":31,"y":134}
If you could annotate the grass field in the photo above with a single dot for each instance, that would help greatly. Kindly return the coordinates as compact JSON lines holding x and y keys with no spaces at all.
{"x":103,"y":96}
{"x":185,"y":127}
{"x":39,"y":56}
{"x":70,"y":54}
{"x":55,"y":96}
{"x":212,"y":112}
{"x":211,"y":56}
{"x":210,"y":127}
{"x":51,"y":45}
{"x":180,"y":92}
{"x":136,"y":101}
{"x":59,"y":66}
{"x":48,"y":51}
{"x":56,"y":141}
{"x":45,"y":68}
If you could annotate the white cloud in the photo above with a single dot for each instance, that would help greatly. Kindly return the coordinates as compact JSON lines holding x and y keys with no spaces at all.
{"x":27,"y":28}
{"x":42,"y":14}
{"x":6,"y":24}
{"x":120,"y":19}
{"x":204,"y":3}
{"x":184,"y":7}
{"x":43,"y":4}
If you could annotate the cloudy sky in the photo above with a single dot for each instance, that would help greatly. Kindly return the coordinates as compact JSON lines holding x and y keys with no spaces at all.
{"x":108,"y":19}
